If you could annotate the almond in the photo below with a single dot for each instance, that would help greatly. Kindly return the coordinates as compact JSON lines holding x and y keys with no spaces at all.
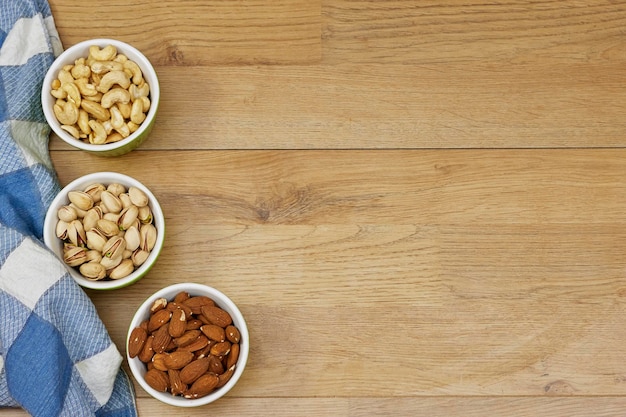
{"x":158,"y":361}
{"x":214,"y":332}
{"x":193,"y":324}
{"x":215,"y":365}
{"x":162,"y":338}
{"x":178,"y":359}
{"x":232,"y":334}
{"x":181,"y":296}
{"x":177,"y":387}
{"x":178,"y":323}
{"x":158,"y":304}
{"x":233,"y":355}
{"x":203,"y":386}
{"x":175,"y":306}
{"x":158,"y":319}
{"x":157,"y":380}
{"x":225,"y":377}
{"x":189,"y":337}
{"x":194,"y":370}
{"x":216,"y":315}
{"x":136,"y":340}
{"x":221,"y":349}
{"x":147,"y":352}
{"x":200,"y":343}
{"x":196,"y":303}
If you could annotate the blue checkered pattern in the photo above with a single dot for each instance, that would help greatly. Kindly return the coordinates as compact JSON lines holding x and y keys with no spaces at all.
{"x":56,"y":357}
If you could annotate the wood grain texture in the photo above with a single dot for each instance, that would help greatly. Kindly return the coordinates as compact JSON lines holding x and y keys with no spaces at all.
{"x":448,"y":272}
{"x":418,"y":205}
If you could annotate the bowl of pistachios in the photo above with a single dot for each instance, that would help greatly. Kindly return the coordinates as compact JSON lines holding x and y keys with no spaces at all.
{"x":101,"y":96}
{"x":107,"y":228}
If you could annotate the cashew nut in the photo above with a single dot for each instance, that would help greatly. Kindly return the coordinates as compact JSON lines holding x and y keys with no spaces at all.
{"x":94,"y":109}
{"x":124,"y":130}
{"x":132,"y":126}
{"x":65,"y":77}
{"x":85,"y":87}
{"x":58,"y":93}
{"x":98,"y":135}
{"x":105,"y":54}
{"x":136,"y":112}
{"x":83,"y":121}
{"x":100,"y":67}
{"x":139,"y":91}
{"x":66,"y":112}
{"x":80,"y":71}
{"x":146,"y":103}
{"x":115,"y":95}
{"x":120,"y":58}
{"x":73,"y":93}
{"x":135,"y":71}
{"x":114,"y":77}
{"x":117,"y":120}
{"x":124,"y":109}
{"x":71,"y":130}
{"x":56,"y":84}
{"x":114,"y":137}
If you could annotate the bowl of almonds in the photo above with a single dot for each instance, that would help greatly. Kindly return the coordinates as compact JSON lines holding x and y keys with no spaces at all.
{"x":187,"y":345}
{"x":101,"y":96}
{"x":107,"y":228}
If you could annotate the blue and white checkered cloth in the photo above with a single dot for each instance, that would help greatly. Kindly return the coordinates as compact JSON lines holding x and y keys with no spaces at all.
{"x":56,"y":357}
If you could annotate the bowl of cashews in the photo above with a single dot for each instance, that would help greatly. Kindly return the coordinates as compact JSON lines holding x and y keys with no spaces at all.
{"x":101,"y":96}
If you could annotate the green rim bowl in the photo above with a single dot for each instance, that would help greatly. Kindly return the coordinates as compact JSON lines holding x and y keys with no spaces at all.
{"x":56,"y":245}
{"x":81,"y":50}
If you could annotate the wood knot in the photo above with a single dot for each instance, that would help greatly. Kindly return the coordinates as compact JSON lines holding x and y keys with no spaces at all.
{"x":175,"y":56}
{"x":559,"y":387}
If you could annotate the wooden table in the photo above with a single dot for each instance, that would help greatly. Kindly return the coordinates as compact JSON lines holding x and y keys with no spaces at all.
{"x":419,"y":206}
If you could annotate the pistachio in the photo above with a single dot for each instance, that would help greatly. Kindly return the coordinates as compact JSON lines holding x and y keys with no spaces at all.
{"x":94,"y":255}
{"x":80,"y":199}
{"x":124,"y":269}
{"x":132,"y":237}
{"x":67,"y":213}
{"x":110,"y":263}
{"x":111,"y":202}
{"x":114,"y":247}
{"x":96,"y":239}
{"x":79,"y":211}
{"x":127,"y":217}
{"x":91,"y":217}
{"x":75,"y":256}
{"x":138,"y":197}
{"x":61,"y":229}
{"x":145,"y":214}
{"x":112,"y":217}
{"x":94,"y":190}
{"x":107,"y":227}
{"x":76,"y":233}
{"x":93,"y":270}
{"x":116,"y":189}
{"x":139,"y":257}
{"x":148,"y":235}
{"x":125,"y":199}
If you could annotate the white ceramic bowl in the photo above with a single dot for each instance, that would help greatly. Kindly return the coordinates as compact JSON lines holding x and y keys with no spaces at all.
{"x":81,"y":50}
{"x":139,"y":369}
{"x":56,"y":245}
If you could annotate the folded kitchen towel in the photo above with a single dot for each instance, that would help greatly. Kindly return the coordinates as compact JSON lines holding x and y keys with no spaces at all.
{"x":56,"y":356}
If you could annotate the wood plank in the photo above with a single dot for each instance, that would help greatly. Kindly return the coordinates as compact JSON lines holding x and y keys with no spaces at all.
{"x":208,"y":32}
{"x":414,"y":406}
{"x":370,"y":106}
{"x":478,"y":272}
{"x":460,"y":31}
